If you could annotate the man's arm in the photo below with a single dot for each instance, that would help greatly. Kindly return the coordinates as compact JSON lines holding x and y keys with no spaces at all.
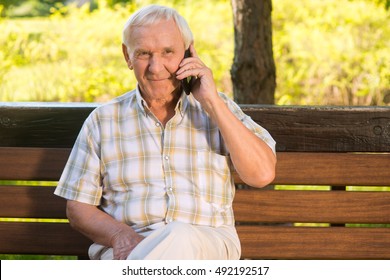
{"x":253,"y":159}
{"x":102,"y":228}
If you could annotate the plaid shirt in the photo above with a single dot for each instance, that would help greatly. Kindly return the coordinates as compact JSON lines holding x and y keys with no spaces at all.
{"x":142,"y":174}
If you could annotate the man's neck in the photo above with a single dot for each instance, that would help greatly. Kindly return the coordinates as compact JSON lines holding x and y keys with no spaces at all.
{"x":163,"y":107}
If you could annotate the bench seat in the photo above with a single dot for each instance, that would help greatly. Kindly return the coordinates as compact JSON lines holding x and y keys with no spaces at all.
{"x":330,"y":198}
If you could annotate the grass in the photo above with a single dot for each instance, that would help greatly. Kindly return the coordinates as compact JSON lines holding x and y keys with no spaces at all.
{"x":35,"y":257}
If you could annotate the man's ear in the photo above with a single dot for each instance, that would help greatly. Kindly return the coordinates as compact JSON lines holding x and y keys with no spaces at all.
{"x":127,"y":57}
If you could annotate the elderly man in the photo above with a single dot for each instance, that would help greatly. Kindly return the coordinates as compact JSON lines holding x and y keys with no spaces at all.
{"x":150,"y":174}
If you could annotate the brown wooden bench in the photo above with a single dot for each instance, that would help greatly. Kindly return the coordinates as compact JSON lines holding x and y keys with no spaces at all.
{"x":327,"y":148}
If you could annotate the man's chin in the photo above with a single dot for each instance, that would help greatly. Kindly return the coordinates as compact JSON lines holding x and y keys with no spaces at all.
{"x":161,"y":90}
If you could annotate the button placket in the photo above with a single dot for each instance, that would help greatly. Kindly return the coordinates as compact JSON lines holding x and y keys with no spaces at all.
{"x":168,"y":174}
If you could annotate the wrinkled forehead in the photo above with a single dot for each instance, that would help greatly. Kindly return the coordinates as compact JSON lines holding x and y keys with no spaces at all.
{"x":163,"y":34}
{"x":151,"y":37}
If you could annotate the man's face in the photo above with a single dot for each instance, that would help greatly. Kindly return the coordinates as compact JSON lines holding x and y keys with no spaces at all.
{"x":155,"y":53}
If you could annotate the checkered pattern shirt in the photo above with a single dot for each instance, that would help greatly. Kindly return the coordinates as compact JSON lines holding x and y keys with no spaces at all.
{"x":139,"y":172}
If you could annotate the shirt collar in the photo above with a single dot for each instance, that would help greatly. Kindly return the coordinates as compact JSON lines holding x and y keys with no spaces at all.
{"x":181,"y":105}
{"x":140,"y":101}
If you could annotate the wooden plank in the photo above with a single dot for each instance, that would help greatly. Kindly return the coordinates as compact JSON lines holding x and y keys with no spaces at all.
{"x":314,"y":243}
{"x":252,"y":205}
{"x":292,"y":168}
{"x":32,"y":163}
{"x":41,"y":124}
{"x":32,"y":202}
{"x":42,"y":238}
{"x":295,"y":128}
{"x":336,"y":169}
{"x":257,"y":242}
{"x":325,"y":128}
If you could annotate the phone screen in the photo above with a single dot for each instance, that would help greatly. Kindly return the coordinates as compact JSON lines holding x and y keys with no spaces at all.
{"x":186,"y":82}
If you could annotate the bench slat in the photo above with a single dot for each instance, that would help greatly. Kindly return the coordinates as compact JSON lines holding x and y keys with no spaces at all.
{"x":42,"y":238}
{"x":257,"y":242}
{"x":335,"y":169}
{"x":38,"y":164}
{"x":272,"y":206}
{"x":33,"y":202}
{"x":292,"y":168}
{"x":314,"y":243}
{"x":295,"y":128}
{"x":41,"y":124}
{"x":336,"y":207}
{"x":325,"y":128}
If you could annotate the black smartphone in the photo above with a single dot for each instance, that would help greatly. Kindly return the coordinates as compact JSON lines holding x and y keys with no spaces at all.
{"x":187,"y":82}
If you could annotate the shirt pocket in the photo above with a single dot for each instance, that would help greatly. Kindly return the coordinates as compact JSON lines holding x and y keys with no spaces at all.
{"x":214,"y":178}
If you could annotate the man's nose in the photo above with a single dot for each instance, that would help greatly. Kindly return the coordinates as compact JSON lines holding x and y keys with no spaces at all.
{"x":155,"y":64}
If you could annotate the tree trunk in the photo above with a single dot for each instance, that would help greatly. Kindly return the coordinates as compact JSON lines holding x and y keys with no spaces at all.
{"x":253,"y":70}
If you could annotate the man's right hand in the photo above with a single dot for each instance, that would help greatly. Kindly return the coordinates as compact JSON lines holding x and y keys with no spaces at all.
{"x":103,"y":229}
{"x":124,"y":241}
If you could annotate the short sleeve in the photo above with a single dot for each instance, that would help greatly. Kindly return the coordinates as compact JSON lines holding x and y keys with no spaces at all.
{"x":258,"y":130}
{"x":81,"y":179}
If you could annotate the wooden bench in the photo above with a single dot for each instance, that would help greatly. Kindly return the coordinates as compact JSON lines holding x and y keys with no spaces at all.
{"x":327,"y":148}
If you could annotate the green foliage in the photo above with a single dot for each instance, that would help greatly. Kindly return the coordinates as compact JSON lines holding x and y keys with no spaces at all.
{"x":8,"y":3}
{"x":112,"y":3}
{"x":385,"y":3}
{"x":29,"y":8}
{"x":35,"y":257}
{"x":64,"y":58}
{"x":75,"y":54}
{"x":331,"y":52}
{"x":326,"y":52}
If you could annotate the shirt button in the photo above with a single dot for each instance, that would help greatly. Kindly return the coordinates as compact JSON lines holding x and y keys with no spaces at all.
{"x":166,"y":157}
{"x":158,"y":124}
{"x":169,"y":220}
{"x":170,"y":189}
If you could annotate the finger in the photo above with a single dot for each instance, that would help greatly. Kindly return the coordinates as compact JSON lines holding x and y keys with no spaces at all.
{"x":193,"y":51}
{"x":185,"y":67}
{"x":182,"y":74}
{"x":190,"y":63}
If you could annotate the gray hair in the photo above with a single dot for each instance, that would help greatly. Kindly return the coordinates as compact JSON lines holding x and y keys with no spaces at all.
{"x":152,"y":14}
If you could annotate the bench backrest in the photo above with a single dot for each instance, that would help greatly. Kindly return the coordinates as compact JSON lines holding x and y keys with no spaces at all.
{"x":334,"y":150}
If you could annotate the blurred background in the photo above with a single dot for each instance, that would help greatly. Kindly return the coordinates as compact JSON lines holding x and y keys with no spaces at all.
{"x":327,"y":52}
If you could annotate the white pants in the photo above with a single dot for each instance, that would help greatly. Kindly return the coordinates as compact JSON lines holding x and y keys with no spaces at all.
{"x":180,"y":241}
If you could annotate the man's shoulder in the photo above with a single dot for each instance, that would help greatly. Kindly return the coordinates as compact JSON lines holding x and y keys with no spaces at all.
{"x":127,"y":100}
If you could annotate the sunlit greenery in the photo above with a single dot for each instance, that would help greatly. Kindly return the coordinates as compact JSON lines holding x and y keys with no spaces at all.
{"x":326,"y":52}
{"x":332,"y":52}
{"x":35,"y":257}
{"x":78,"y":57}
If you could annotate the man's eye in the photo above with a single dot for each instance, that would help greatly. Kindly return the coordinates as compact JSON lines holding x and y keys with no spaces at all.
{"x":168,"y":52}
{"x":143,"y":54}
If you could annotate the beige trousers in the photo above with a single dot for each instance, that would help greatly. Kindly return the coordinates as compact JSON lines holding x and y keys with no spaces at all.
{"x":180,"y":241}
